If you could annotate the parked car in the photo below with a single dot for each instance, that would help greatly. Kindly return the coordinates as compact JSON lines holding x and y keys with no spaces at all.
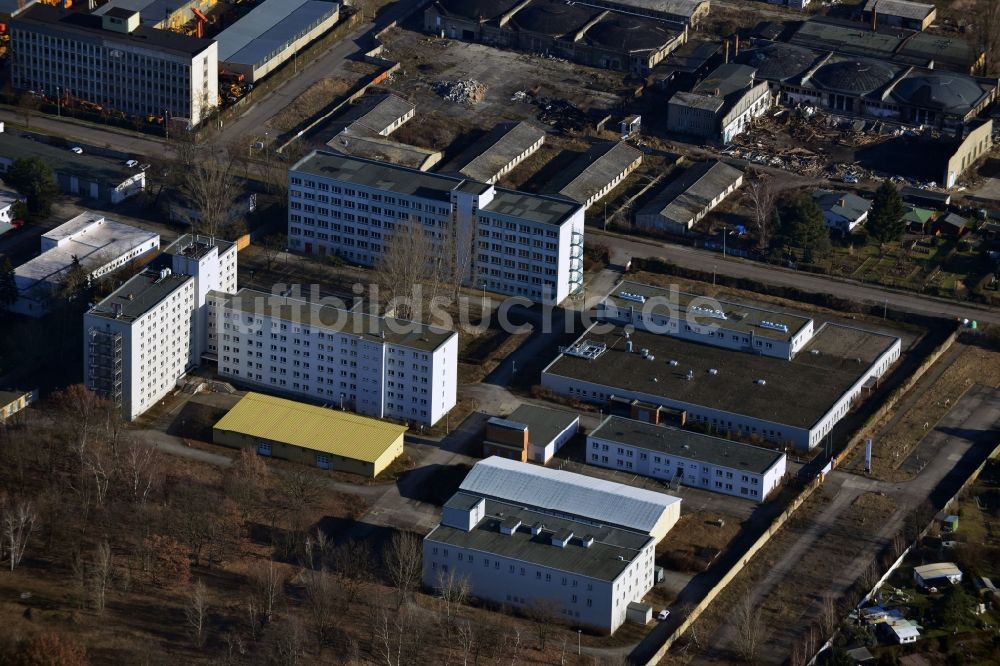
{"x":663,"y":614}
{"x":77,"y":149}
{"x":131,"y":164}
{"x":851,"y":178}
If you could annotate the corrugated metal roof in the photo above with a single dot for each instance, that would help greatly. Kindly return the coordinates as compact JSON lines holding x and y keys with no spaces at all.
{"x":937,"y":570}
{"x":568,"y":493}
{"x":315,"y":428}
{"x":270,"y":28}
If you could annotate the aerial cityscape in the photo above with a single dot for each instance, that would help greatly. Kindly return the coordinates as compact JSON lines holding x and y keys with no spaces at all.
{"x":500,"y":332}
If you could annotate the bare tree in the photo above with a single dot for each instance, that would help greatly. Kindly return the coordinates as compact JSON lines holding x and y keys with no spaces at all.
{"x":352,"y":561}
{"x":99,"y":467}
{"x":17,"y":519}
{"x":542,"y":613}
{"x":391,"y":635}
{"x":403,"y":563}
{"x":453,"y":589}
{"x":322,"y":599}
{"x":196,"y":612}
{"x":29,"y":104}
{"x":101,"y":567}
{"x":829,"y":618}
{"x":267,"y":586}
{"x":272,"y":245}
{"x":139,"y":471}
{"x":985,"y":20}
{"x":466,"y":640}
{"x":289,"y":644}
{"x":212,"y":190}
{"x":763,"y":194}
{"x":870,"y":577}
{"x":409,"y":264}
{"x":749,"y":630}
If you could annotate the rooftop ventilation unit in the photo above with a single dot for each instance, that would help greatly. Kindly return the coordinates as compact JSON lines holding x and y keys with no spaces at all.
{"x":707,"y":312}
{"x":585,"y":349}
{"x":774,"y":326}
{"x":629,"y":296}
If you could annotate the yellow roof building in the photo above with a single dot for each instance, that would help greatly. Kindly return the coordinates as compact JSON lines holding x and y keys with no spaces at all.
{"x":326,"y":438}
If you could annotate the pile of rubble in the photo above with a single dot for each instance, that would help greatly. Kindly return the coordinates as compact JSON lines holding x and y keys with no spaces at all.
{"x":463,"y":92}
{"x":562,"y":114}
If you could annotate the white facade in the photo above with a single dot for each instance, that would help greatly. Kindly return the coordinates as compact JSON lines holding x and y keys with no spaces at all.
{"x":753,"y":104}
{"x":150,"y":331}
{"x":137,"y":341}
{"x":519,"y":244}
{"x":98,"y":244}
{"x":114,"y":62}
{"x":586,"y":575}
{"x":7,"y":200}
{"x":358,"y":361}
{"x":684,"y":457}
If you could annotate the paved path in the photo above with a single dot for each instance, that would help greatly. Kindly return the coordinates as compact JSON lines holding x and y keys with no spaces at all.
{"x":625,"y":247}
{"x":972,"y":422}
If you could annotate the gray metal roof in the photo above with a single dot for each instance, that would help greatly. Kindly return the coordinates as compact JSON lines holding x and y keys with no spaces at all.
{"x":685,"y":197}
{"x":952,"y":93}
{"x":594,"y":169}
{"x":270,"y":28}
{"x":484,"y":159}
{"x":726,"y":79}
{"x":605,"y":559}
{"x":544,"y":424}
{"x":691,"y":100}
{"x":844,"y":204}
{"x":378,"y":175}
{"x":359,"y":142}
{"x":902,"y":8}
{"x":139,"y":295}
{"x":676,"y":7}
{"x":376,"y":112}
{"x":534,"y":207}
{"x":567,"y":494}
{"x":688,"y":445}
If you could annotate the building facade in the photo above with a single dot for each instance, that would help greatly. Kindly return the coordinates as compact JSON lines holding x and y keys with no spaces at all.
{"x":530,"y":433}
{"x":584,"y":574}
{"x":509,"y":242}
{"x":684,"y":457}
{"x":375,"y":366}
{"x":149,"y":332}
{"x":114,"y":62}
{"x":722,"y":106}
{"x":686,"y":201}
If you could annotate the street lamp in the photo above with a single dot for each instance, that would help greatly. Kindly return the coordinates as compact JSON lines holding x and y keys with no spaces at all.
{"x":59,"y":101}
{"x":341,"y":401}
{"x":714,"y":266}
{"x":578,"y":633}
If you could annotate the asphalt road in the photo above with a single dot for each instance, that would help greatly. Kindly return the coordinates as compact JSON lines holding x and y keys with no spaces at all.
{"x":623,"y":248}
{"x":86,"y":134}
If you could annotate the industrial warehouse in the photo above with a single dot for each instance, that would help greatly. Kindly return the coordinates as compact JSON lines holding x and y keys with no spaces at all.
{"x":583,"y":33}
{"x":317,"y":436}
{"x":790,"y":390}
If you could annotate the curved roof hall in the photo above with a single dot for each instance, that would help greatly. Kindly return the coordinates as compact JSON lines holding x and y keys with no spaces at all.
{"x":628,"y":33}
{"x":858,"y":76}
{"x":777,"y":61}
{"x":951,"y":93}
{"x":551,"y":18}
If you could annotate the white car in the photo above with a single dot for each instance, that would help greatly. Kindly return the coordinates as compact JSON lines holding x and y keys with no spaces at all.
{"x":77,"y":149}
{"x":851,"y":178}
{"x":131,"y":163}
{"x":663,"y":614}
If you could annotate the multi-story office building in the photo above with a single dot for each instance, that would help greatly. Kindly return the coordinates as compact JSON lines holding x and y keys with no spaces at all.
{"x":115,"y":62}
{"x":685,"y":457}
{"x":150,"y":331}
{"x":509,"y":242}
{"x":585,"y":573}
{"x":379,"y":367}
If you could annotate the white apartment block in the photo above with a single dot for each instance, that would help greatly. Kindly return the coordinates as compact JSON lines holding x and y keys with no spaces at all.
{"x":724,"y":324}
{"x":137,"y":341}
{"x":509,"y":242}
{"x":99,"y":245}
{"x":585,"y":573}
{"x":376,"y":366}
{"x":115,"y":62}
{"x":148,"y":333}
{"x":685,"y":457}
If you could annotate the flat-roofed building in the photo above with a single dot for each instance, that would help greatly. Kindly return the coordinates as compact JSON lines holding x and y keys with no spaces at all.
{"x":725,"y":324}
{"x":530,"y":433}
{"x":13,"y":402}
{"x":317,"y":436}
{"x":573,"y":496}
{"x":497,"y":153}
{"x":149,"y":332}
{"x":94,"y":243}
{"x":161,"y":14}
{"x":380,"y":114}
{"x":596,"y":172}
{"x":115,"y":62}
{"x":685,"y":457}
{"x":272,"y":33}
{"x":518,"y":556}
{"x":689,"y":198}
{"x":376,"y":366}
{"x":370,"y":146}
{"x":899,"y":13}
{"x":88,"y":176}
{"x":510,"y":242}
